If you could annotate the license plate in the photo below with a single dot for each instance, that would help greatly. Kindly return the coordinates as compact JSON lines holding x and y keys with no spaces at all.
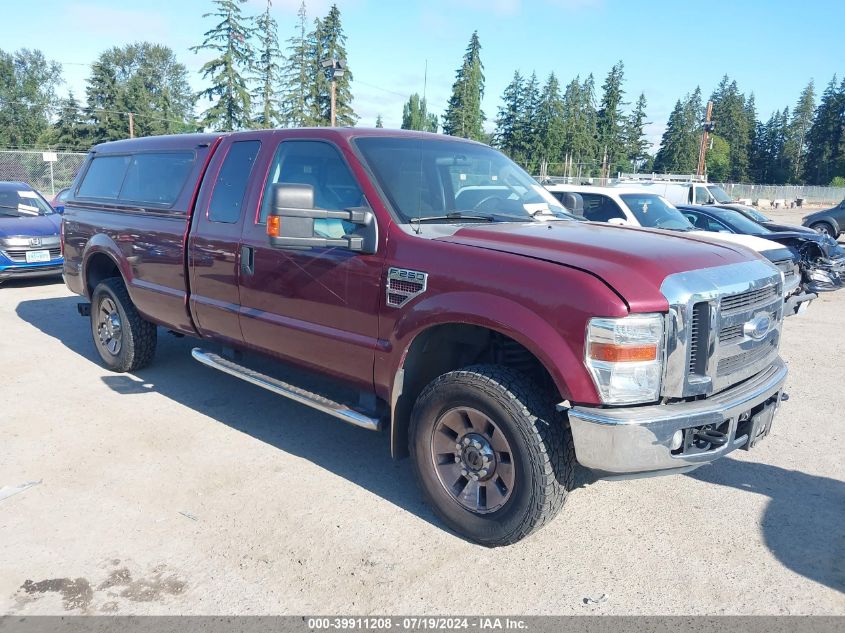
{"x":37,"y":256}
{"x":761,"y":424}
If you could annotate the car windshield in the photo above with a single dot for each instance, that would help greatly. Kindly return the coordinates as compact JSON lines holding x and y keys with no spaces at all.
{"x":655,"y":212}
{"x":740,"y":222}
{"x":756,"y":215}
{"x":428,"y":180}
{"x":18,"y":202}
{"x":719,"y":194}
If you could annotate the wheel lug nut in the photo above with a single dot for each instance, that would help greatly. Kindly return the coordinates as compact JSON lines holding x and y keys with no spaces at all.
{"x":464,"y":472}
{"x":457,"y":447}
{"x":474,"y":477}
{"x":476,"y":444}
{"x":482,"y":473}
{"x":466,"y":441}
{"x":457,"y":458}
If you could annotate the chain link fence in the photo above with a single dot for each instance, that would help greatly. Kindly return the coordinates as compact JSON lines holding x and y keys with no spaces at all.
{"x":47,"y":172}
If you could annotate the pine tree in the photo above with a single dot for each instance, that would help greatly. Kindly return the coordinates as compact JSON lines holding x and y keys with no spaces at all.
{"x":799,"y":126}
{"x":68,"y":131}
{"x":228,"y":92}
{"x":268,"y":71}
{"x":379,"y":122}
{"x":732,"y":124}
{"x":679,"y":146}
{"x":507,"y":135}
{"x":329,"y":43}
{"x":415,"y":115}
{"x":579,"y":127}
{"x":296,"y":75}
{"x":550,"y":124}
{"x":825,"y":152}
{"x":527,"y":124}
{"x":609,"y":120}
{"x":103,"y":109}
{"x":636,"y":144}
{"x":464,"y":116}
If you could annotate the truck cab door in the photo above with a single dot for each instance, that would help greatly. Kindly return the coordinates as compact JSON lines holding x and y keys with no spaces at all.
{"x":214,"y":242}
{"x":316,"y":307}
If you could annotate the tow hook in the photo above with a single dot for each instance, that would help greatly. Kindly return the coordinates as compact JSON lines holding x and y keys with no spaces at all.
{"x":84,"y":309}
{"x":711,"y":436}
{"x":784,"y":396}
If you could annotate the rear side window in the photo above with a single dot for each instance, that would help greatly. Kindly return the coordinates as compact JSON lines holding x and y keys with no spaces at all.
{"x":149,"y":178}
{"x":231,"y":183}
{"x":156,"y":178}
{"x":104,"y":177}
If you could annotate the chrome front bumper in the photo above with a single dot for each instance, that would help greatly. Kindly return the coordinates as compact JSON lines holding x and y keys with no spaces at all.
{"x":638,"y":440}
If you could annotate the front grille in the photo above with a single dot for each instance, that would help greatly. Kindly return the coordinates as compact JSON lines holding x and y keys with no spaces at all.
{"x":733,"y":364}
{"x":699,"y":327}
{"x":735,"y":332}
{"x":749,"y":300}
{"x":19,"y":256}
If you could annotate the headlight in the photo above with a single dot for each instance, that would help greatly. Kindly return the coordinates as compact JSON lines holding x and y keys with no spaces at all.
{"x":625,"y":357}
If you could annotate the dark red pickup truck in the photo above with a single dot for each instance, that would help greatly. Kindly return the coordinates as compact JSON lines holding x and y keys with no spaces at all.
{"x":495,"y":337}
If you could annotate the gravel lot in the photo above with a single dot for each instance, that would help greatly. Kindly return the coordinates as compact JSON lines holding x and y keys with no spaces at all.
{"x":180,"y":490}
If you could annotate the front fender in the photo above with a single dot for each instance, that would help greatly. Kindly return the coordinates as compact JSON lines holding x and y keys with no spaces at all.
{"x":560,"y":353}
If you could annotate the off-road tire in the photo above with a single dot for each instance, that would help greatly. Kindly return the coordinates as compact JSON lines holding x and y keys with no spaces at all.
{"x":540,"y":439}
{"x":138,"y":337}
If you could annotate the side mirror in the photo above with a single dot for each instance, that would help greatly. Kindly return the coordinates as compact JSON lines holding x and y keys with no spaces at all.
{"x":292,"y":223}
{"x":619,"y":222}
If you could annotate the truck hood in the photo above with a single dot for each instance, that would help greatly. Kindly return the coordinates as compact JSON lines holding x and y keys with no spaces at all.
{"x":32,"y":226}
{"x":632,"y":261}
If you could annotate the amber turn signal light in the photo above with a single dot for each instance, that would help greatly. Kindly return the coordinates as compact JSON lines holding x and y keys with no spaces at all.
{"x":623,"y":353}
{"x":274,"y":226}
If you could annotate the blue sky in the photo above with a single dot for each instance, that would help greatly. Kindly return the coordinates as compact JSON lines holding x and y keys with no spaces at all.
{"x":771,"y":47}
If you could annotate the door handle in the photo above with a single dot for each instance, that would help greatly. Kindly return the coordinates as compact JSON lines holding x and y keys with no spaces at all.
{"x":247,"y":260}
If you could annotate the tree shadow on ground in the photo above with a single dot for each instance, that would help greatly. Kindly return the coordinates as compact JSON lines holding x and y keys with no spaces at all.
{"x":804,"y":521}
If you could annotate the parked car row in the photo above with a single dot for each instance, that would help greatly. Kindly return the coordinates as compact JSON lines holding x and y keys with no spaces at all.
{"x":810,"y":262}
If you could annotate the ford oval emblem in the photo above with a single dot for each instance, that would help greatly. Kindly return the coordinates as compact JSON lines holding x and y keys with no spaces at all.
{"x":757,"y":328}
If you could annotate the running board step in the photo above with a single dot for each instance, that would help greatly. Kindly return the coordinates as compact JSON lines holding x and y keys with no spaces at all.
{"x":313,"y":400}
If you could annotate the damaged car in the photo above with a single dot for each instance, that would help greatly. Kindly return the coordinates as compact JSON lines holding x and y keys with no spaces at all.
{"x":821,"y":259}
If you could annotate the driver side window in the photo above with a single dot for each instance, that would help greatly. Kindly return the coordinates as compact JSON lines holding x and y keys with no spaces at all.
{"x":320,"y":165}
{"x":702,"y":196}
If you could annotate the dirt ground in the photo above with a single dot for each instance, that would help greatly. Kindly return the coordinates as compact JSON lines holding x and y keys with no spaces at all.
{"x":181,"y":490}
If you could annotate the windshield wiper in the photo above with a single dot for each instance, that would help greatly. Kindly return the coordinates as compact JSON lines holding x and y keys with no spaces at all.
{"x":454,"y":215}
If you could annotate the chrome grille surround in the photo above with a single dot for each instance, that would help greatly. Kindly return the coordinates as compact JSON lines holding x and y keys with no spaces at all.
{"x":747,"y":290}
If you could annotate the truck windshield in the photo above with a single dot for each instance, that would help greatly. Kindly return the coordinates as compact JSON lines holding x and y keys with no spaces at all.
{"x":719,"y":194}
{"x":653,"y":211}
{"x":455,"y":181}
{"x":17,"y":202}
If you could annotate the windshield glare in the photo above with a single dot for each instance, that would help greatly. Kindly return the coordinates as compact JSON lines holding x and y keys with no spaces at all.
{"x":433,"y":178}
{"x":719,"y":194}
{"x":756,"y":215}
{"x":741,"y":223}
{"x":655,"y":212}
{"x":22,"y":203}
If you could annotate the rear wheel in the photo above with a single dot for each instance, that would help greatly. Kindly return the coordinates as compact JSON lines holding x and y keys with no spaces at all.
{"x":825,"y":228}
{"x":490,"y":454}
{"x":124,"y":340}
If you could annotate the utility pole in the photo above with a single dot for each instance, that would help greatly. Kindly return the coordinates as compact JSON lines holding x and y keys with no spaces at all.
{"x":337,"y":66}
{"x":131,"y":125}
{"x":708,"y":127}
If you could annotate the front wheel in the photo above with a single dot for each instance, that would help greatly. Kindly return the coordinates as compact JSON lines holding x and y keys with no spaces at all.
{"x":124,"y":340}
{"x":491,"y":456}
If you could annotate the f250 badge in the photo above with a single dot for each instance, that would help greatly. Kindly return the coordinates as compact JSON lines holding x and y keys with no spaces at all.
{"x":403,"y":285}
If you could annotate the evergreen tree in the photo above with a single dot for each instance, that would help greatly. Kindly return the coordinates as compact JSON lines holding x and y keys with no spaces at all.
{"x":329,"y":43}
{"x":107,"y":121}
{"x":825,"y":152}
{"x":69,"y":131}
{"x":718,"y":159}
{"x":550,"y":124}
{"x":379,"y":122}
{"x":268,"y":71}
{"x":799,"y":126}
{"x":732,"y":124}
{"x":527,"y":125}
{"x":507,"y":135}
{"x":464,"y":116}
{"x":297,"y":74}
{"x":415,"y":115}
{"x":636,"y":143}
{"x":679,"y":146}
{"x":579,"y":127}
{"x":228,"y":92}
{"x":609,"y":120}
{"x":28,"y":83}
